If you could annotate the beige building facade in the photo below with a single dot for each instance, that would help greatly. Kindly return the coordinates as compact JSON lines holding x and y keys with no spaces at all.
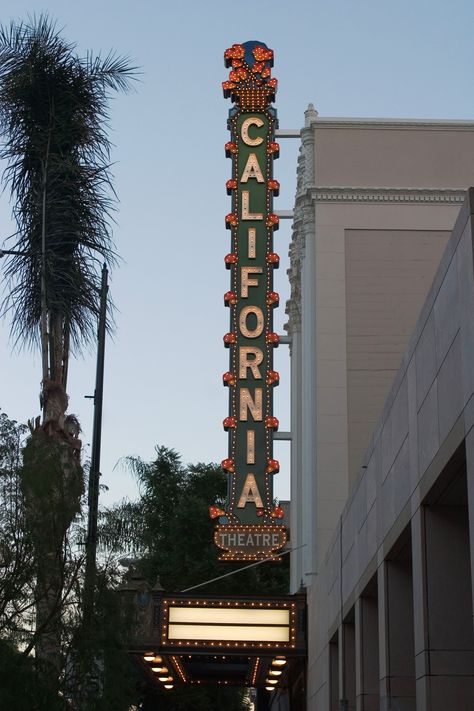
{"x":377,"y":393}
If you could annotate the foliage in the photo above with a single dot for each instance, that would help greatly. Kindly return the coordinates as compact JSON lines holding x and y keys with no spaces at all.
{"x":53,"y":125}
{"x":169,"y":532}
{"x":16,"y":549}
{"x":21,"y":688}
{"x":53,"y":119}
{"x":53,"y":489}
{"x":19,"y":596}
{"x":169,"y":529}
{"x":98,"y":655}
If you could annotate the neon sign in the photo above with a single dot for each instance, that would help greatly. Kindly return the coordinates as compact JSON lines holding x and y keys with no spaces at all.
{"x":247,"y":528}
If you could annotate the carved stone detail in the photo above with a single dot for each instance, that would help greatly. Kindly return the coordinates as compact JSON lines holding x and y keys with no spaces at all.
{"x":388,"y":195}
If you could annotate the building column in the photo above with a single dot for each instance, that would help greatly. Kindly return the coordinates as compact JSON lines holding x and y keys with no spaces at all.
{"x":396,"y":646}
{"x":470,"y":504}
{"x":347,"y":667}
{"x":308,"y":410}
{"x":296,"y":484}
{"x":367,"y":654}
{"x":334,"y":673}
{"x":444,"y":636}
{"x":306,"y":213}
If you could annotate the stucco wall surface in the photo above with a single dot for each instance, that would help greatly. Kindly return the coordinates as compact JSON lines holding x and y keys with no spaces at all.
{"x":428,"y":412}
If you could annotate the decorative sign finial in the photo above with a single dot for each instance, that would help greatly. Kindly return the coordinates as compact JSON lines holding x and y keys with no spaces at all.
{"x":247,"y":527}
{"x":250,"y":84}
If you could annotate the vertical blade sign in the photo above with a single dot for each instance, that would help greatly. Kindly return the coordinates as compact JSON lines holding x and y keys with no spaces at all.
{"x":248,"y":529}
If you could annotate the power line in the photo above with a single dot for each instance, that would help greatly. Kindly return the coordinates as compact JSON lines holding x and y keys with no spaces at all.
{"x":239,"y":570}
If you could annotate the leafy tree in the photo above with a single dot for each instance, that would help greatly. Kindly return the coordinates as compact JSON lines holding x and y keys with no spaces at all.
{"x":20,"y":686}
{"x":169,"y":531}
{"x":116,"y":684}
{"x":53,"y":120}
{"x":16,"y":549}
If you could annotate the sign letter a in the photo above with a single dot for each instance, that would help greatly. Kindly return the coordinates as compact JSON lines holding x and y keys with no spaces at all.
{"x":250,"y":493}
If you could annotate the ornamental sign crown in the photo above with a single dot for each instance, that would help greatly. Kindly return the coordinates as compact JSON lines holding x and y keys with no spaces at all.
{"x":247,"y":528}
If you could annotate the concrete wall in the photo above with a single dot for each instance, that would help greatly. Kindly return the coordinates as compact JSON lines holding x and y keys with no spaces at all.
{"x":371,"y":152}
{"x":407,"y":530}
{"x":387,"y":277}
{"x":390,"y":190}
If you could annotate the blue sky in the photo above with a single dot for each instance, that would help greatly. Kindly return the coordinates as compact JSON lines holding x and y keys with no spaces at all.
{"x":164,"y":365}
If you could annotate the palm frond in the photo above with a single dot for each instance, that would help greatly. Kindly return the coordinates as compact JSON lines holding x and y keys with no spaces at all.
{"x":53,"y":120}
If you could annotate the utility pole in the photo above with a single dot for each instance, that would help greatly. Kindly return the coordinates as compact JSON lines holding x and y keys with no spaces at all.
{"x":94,"y":473}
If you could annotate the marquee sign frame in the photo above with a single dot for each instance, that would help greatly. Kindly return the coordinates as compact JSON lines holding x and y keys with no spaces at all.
{"x":247,"y":528}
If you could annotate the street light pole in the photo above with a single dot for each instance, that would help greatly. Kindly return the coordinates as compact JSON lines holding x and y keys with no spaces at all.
{"x":94,"y":473}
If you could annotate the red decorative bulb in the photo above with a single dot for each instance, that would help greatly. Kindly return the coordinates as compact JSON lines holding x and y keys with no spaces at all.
{"x":231,"y":185}
{"x":273,"y":339}
{"x":273,"y":377}
{"x":228,"y":465}
{"x":273,"y":148}
{"x":258,"y":67}
{"x":230,"y":259}
{"x":277,"y":512}
{"x":231,"y":220}
{"x":262,"y":54}
{"x":230,"y":297}
{"x":273,"y":297}
{"x":273,"y":466}
{"x":230,"y":148}
{"x":273,"y":221}
{"x":271,"y":422}
{"x":228,"y":378}
{"x":274,"y":259}
{"x":230,"y":338}
{"x":215,"y":511}
{"x":226,"y":88}
{"x":274,"y":185}
{"x":237,"y":51}
{"x":229,"y":422}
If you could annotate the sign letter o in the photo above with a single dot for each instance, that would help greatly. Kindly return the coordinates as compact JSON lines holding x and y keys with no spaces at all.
{"x":245,"y":331}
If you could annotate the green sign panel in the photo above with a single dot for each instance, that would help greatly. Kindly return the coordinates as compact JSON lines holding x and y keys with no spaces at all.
{"x":248,"y":527}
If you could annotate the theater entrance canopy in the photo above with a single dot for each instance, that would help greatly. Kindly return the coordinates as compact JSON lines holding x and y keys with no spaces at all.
{"x":245,"y":641}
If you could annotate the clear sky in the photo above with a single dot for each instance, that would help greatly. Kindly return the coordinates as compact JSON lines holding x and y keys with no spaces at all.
{"x":411,"y":58}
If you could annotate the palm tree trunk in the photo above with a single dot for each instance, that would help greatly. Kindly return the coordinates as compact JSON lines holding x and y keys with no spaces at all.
{"x":55,"y":459}
{"x":44,"y":305}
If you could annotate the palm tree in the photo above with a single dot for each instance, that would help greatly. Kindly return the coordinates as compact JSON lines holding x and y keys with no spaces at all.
{"x":53,"y":122}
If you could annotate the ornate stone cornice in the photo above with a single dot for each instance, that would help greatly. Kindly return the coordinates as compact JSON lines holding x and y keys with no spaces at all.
{"x":393,"y":123}
{"x":387,"y":195}
{"x":293,"y":310}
